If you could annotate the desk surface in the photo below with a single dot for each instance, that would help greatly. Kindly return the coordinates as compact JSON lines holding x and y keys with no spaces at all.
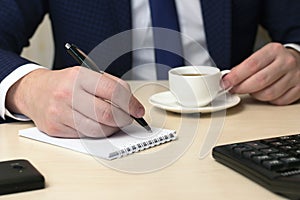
{"x":72,"y":175}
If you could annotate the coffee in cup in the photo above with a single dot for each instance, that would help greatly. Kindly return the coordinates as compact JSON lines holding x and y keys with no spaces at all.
{"x":189,"y":74}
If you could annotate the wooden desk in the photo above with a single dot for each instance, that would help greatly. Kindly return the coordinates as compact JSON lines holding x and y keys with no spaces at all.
{"x":72,"y":175}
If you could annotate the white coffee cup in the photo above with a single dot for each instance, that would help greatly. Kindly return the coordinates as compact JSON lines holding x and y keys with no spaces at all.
{"x":196,"y":86}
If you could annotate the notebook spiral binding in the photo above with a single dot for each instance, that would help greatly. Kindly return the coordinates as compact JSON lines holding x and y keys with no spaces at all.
{"x":143,"y":145}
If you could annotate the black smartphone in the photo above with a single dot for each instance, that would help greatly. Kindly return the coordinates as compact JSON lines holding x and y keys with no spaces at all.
{"x":19,"y":175}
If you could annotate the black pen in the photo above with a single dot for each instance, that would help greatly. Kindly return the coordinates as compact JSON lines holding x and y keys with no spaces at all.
{"x":87,"y":62}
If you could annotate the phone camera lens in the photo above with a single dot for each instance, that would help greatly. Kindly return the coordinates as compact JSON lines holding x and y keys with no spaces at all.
{"x":17,"y":166}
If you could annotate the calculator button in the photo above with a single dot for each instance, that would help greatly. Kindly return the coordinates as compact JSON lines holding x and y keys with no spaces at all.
{"x":250,"y":154}
{"x":285,"y":137}
{"x":277,"y":144}
{"x":279,"y":155}
{"x":287,"y":148}
{"x":259,"y":159}
{"x":270,"y":140}
{"x":291,"y":161}
{"x":231,"y":146}
{"x":295,"y":152}
{"x":293,"y":141}
{"x":270,"y":150}
{"x":241,"y":149}
{"x":257,"y":145}
{"x":297,"y":136}
{"x":273,"y":164}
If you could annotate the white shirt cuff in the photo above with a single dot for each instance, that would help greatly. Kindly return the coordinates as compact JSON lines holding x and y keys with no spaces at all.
{"x":293,"y":46}
{"x":8,"y":82}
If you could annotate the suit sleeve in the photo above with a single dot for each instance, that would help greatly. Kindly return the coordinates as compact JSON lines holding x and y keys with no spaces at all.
{"x":282,"y":20}
{"x":19,"y":20}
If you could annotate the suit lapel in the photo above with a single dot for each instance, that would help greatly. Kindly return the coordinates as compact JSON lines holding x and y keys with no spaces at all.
{"x":217,"y":24}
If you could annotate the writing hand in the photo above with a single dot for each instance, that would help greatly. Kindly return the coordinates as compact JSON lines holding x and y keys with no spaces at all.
{"x":271,"y":74}
{"x":74,"y":102}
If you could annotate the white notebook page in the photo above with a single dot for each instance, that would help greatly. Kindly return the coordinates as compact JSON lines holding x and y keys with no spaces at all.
{"x":130,"y":140}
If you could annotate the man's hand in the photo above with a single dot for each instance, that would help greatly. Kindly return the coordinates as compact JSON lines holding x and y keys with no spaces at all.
{"x":74,"y":102}
{"x":271,"y":74}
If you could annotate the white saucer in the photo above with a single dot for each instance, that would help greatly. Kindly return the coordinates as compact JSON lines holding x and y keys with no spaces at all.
{"x":167,"y":101}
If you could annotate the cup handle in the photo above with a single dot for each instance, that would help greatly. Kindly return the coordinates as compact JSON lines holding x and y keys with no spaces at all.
{"x":221,"y":92}
{"x":224,"y":72}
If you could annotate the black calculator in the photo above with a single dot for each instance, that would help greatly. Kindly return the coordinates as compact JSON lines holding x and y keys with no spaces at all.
{"x":273,"y":163}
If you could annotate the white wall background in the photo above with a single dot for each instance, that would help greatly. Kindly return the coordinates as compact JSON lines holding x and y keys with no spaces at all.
{"x":41,"y":45}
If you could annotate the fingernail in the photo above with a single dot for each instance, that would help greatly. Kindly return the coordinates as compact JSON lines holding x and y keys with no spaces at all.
{"x":232,"y":91}
{"x":140,"y":112}
{"x":226,"y":84}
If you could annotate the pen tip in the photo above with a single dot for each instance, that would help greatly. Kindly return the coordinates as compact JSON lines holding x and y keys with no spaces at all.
{"x":148,"y":129}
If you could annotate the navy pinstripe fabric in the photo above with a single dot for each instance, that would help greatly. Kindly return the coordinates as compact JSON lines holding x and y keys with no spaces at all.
{"x":230,"y":27}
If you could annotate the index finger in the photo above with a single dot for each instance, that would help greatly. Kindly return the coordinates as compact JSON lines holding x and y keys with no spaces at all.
{"x":256,"y":62}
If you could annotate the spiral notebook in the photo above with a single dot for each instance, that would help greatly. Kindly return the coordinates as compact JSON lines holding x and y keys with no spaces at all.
{"x":130,"y":140}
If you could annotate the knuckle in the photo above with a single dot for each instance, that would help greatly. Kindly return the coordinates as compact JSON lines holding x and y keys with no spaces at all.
{"x":53,"y":111}
{"x":291,"y":61}
{"x":253,"y":64}
{"x":74,"y":71}
{"x":62,"y":94}
{"x":266,"y":95}
{"x":65,"y":89}
{"x":107,"y":115}
{"x":269,"y":95}
{"x":277,"y":47}
{"x":108,"y":85}
{"x":262,"y":80}
{"x":72,"y":74}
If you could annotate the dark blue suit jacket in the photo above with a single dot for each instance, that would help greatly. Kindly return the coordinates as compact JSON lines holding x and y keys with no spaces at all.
{"x":230,"y":27}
